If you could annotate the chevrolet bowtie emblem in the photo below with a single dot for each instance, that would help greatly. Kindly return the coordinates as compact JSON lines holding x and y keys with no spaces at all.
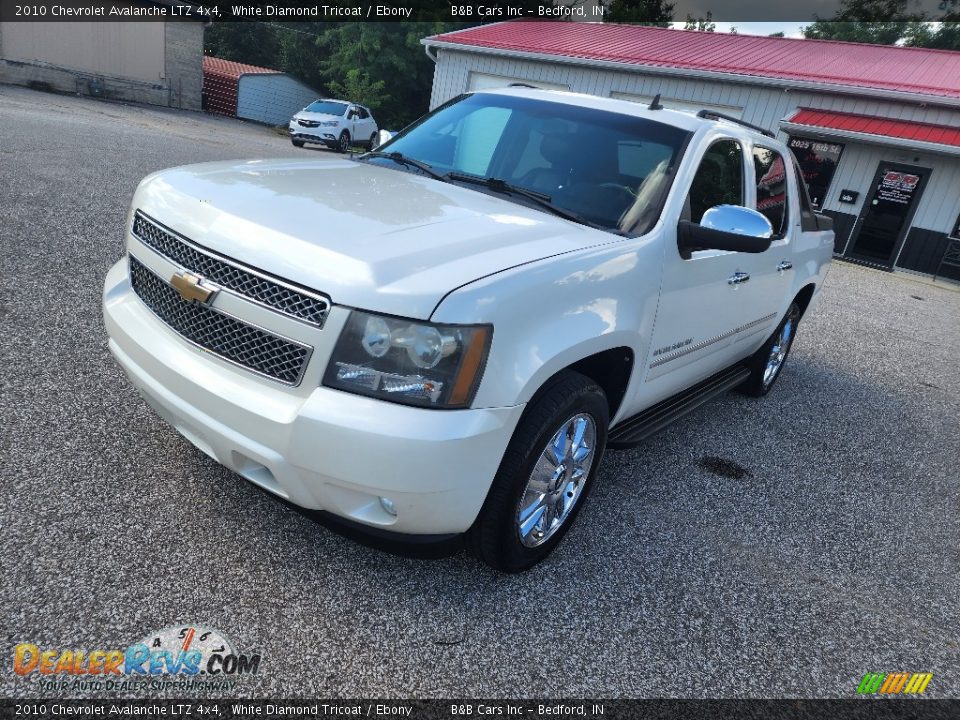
{"x":190,"y":288}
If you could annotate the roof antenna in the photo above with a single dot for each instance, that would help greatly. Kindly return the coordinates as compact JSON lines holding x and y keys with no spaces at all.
{"x":655,"y":103}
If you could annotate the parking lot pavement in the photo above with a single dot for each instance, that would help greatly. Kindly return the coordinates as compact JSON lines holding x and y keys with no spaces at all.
{"x":781,"y":547}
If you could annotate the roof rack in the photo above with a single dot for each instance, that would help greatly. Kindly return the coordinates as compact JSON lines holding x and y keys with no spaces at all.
{"x":711,"y":115}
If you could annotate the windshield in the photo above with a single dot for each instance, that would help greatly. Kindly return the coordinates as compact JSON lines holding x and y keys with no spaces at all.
{"x":327,"y":107}
{"x":612,"y":170}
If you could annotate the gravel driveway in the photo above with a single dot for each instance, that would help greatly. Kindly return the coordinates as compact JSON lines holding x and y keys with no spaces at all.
{"x":756,"y":549}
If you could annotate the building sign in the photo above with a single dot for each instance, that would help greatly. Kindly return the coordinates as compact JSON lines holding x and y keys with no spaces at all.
{"x":849,"y":196}
{"x":897,"y":187}
{"x":818,"y":162}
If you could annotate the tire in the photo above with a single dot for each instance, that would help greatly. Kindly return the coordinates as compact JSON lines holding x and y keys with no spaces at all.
{"x":297,"y":143}
{"x":343,"y":144}
{"x":373,"y":141}
{"x":767,"y":363}
{"x":498,"y":537}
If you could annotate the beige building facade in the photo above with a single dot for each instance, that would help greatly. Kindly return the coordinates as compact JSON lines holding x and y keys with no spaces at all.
{"x":155,"y":62}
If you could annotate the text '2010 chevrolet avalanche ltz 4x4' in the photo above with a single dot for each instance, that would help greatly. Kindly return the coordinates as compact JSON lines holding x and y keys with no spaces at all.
{"x":442,"y":337}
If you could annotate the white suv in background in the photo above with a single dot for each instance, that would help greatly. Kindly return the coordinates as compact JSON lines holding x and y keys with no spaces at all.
{"x":338,"y":124}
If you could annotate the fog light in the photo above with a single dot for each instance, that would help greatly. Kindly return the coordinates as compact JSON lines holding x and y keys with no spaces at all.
{"x":388,"y":506}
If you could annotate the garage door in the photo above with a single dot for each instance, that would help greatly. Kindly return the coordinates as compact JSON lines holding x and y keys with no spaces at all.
{"x":482,"y":81}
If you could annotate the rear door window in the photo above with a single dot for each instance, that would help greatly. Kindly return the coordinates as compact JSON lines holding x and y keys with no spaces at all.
{"x":771,"y":177}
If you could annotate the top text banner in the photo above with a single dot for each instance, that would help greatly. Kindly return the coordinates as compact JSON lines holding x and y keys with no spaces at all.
{"x":467,"y":11}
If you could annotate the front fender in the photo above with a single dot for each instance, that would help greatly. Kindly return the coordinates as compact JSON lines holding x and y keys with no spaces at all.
{"x":549,"y":314}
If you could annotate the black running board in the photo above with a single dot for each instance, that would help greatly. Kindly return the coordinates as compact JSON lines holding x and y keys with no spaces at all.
{"x":641,"y":426}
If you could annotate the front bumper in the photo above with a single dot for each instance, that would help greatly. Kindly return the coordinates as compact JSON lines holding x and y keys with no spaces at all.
{"x":322,"y":136}
{"x":319,"y":448}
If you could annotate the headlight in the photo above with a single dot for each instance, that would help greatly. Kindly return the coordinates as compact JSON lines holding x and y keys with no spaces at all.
{"x":409,"y":362}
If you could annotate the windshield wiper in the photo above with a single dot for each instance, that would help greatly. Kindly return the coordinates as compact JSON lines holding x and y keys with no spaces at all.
{"x":539,"y":198}
{"x":402,"y":159}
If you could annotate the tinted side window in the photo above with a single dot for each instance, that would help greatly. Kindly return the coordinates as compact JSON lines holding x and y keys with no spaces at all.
{"x":719,"y":179}
{"x":363,"y":113}
{"x":771,"y":187}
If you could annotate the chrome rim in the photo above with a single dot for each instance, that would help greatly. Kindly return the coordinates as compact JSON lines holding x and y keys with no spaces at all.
{"x":557,"y":480}
{"x":344,"y":143}
{"x":778,"y":353}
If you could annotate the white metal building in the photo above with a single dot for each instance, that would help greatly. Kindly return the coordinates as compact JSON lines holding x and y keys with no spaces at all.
{"x":876,"y":128}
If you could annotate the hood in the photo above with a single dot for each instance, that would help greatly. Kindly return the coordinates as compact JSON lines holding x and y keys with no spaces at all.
{"x":369,"y":237}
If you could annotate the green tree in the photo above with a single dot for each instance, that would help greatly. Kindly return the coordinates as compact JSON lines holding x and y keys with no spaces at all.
{"x":359,"y":87}
{"x":880,"y":22}
{"x":639,"y":12}
{"x":381,"y":65}
{"x":891,"y":22}
{"x":945,"y":35}
{"x":297,"y":53}
{"x":701,"y":24}
{"x":246,"y":42}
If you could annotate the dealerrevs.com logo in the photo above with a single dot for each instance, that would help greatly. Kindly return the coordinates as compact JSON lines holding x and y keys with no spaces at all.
{"x":179,"y":657}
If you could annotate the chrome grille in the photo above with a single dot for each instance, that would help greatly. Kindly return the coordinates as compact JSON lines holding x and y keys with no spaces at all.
{"x":221,"y":334}
{"x":273,"y":293}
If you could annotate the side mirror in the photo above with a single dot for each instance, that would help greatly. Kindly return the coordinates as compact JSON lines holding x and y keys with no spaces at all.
{"x":727,"y":227}
{"x":382,"y":137}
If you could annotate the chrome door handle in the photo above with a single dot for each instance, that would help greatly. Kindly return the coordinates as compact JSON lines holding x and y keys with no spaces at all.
{"x":738,"y":278}
{"x":784,"y":266}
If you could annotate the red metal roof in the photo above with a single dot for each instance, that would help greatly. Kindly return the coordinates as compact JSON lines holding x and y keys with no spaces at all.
{"x":877,"y":67}
{"x":869,"y":125}
{"x":229,"y":68}
{"x":220,"y":80}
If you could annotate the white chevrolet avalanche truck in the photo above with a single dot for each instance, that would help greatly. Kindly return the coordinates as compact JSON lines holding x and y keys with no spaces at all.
{"x":442,"y":337}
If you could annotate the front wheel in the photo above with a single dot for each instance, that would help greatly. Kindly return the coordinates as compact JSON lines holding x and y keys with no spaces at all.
{"x":546,"y":474}
{"x":297,"y":143}
{"x":343,"y":144}
{"x":767,"y":363}
{"x":373,"y":141}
